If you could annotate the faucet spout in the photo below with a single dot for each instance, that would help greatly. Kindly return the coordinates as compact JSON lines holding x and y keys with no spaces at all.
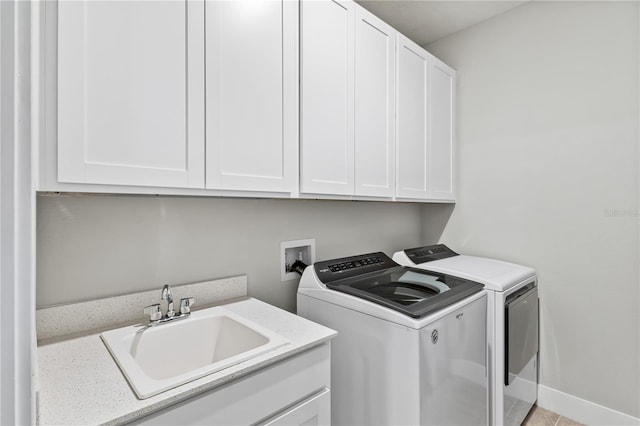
{"x":166,"y":295}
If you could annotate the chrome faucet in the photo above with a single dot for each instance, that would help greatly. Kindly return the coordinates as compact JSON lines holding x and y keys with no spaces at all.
{"x":155,"y":312}
{"x":166,"y":295}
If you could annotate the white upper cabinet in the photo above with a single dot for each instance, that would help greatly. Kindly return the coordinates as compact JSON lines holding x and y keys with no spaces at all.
{"x":327,"y":96}
{"x":425,"y":125}
{"x":130,"y":77}
{"x":441,"y":119}
{"x":252,"y":95}
{"x":412,"y":112}
{"x":230,"y":97}
{"x":347,"y":101}
{"x":137,"y":92}
{"x":374,"y":106}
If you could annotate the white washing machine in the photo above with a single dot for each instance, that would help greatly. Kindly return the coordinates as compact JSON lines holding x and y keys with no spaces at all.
{"x":411,"y":344}
{"x":512,"y":324}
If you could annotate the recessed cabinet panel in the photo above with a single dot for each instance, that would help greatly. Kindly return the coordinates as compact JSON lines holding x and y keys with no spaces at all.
{"x":374,"y":106}
{"x":412,"y":137}
{"x":327,"y":148}
{"x":124,"y":105}
{"x":441,"y":140}
{"x":293,"y":391}
{"x":246,"y":94}
{"x":315,"y":411}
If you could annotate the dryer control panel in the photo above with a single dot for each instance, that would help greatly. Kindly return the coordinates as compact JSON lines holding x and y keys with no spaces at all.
{"x":347,"y":267}
{"x":424,"y":254}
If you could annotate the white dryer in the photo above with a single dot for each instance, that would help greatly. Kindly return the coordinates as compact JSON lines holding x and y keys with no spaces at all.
{"x":512,"y":324}
{"x":411,"y":344}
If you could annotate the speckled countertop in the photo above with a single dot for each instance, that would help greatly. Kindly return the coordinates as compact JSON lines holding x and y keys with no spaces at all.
{"x":81,"y":384}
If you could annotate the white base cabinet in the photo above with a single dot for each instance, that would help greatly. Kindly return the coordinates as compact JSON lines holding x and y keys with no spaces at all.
{"x":313,"y":411}
{"x":292,"y":392}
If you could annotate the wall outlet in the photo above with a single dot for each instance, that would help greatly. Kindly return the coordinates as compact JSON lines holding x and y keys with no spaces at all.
{"x":290,"y":251}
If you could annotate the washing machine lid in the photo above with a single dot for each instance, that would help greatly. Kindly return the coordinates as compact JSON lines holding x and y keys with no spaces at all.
{"x":496,"y":275}
{"x":378,"y":279}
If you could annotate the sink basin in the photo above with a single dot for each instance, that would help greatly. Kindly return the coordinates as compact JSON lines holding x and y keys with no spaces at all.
{"x":155,"y":359}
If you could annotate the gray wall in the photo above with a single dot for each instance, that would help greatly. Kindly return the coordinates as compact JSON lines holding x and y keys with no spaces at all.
{"x":93,"y":246}
{"x":548,"y":177}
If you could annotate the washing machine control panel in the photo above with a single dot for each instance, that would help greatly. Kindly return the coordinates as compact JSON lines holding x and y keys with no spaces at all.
{"x":359,"y":263}
{"x":337,"y":269}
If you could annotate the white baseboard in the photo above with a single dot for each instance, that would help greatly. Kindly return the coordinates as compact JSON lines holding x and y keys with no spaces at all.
{"x":581,"y":410}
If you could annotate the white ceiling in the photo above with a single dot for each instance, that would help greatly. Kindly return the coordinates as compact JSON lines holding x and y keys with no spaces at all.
{"x":424,"y":21}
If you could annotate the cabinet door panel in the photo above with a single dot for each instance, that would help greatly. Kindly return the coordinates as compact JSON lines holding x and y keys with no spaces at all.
{"x":259,"y":397}
{"x":412,"y":137}
{"x":374,"y":106}
{"x":123,"y":96}
{"x":442,"y":130}
{"x":247,"y":147}
{"x":327,"y":149}
{"x":315,"y":411}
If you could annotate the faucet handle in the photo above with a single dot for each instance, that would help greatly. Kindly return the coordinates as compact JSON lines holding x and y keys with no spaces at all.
{"x":185,"y":305}
{"x":153,"y":311}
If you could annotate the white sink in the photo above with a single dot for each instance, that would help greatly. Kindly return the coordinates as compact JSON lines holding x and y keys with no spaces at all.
{"x":155,"y":359}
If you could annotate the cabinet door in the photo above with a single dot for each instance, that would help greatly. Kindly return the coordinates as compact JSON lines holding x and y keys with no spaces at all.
{"x":268,"y":394}
{"x":441,"y":120}
{"x":314,"y":411}
{"x":327,"y":148}
{"x":375,"y":47}
{"x":412,"y":113}
{"x":251,"y":95}
{"x":131,"y":93}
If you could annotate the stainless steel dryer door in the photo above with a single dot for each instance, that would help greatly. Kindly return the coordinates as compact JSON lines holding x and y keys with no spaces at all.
{"x":521,"y":330}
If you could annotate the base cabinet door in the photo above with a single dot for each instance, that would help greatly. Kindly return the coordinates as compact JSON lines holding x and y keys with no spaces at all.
{"x":293,"y":391}
{"x":130,"y":89}
{"x":252,"y":95}
{"x":314,"y":411}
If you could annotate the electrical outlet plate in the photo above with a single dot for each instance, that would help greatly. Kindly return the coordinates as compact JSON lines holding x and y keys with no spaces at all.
{"x":290,"y":251}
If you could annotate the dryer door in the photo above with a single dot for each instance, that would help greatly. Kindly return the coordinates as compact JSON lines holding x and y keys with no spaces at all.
{"x":521,"y":330}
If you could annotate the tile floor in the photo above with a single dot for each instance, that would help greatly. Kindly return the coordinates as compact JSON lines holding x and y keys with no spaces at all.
{"x":541,"y":417}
